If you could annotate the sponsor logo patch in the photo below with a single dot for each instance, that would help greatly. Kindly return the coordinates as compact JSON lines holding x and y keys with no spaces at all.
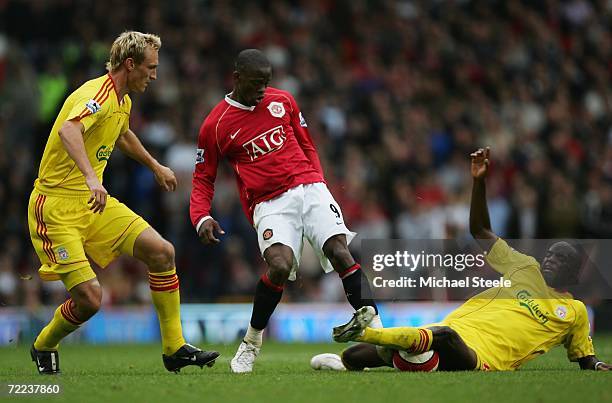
{"x":526,"y":301}
{"x":561,"y":312}
{"x":267,"y":234}
{"x":199,"y":156}
{"x":276,"y":109}
{"x":104,"y":153}
{"x":303,"y":121}
{"x":265,"y":143}
{"x":93,"y":106}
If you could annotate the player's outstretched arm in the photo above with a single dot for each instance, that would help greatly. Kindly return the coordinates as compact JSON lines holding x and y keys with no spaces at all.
{"x":480,"y":223}
{"x":593,"y":363}
{"x":133,"y":148}
{"x":71,"y":134}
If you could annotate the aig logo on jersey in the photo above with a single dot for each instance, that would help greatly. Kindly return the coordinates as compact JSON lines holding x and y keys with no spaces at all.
{"x":93,"y":106}
{"x":277,"y":109}
{"x":265,"y":143}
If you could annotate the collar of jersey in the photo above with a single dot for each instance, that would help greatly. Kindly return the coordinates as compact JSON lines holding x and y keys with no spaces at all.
{"x":237,"y":104}
{"x":119,"y":101}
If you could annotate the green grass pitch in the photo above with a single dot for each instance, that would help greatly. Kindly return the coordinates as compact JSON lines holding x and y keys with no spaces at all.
{"x":135,"y":373}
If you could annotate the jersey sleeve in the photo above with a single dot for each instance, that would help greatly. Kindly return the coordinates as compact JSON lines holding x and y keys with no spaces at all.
{"x":205,"y":173}
{"x":505,"y":260}
{"x":88,"y":105}
{"x":578,"y":342}
{"x":300,"y":128}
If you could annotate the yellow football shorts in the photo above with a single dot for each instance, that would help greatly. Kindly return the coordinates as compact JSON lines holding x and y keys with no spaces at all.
{"x":65,"y":233}
{"x":474,"y":340}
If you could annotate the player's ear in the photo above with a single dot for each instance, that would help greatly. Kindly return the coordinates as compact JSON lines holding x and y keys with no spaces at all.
{"x":129,"y":64}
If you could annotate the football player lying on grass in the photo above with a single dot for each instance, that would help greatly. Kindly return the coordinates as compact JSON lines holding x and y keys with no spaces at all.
{"x":498,"y":329}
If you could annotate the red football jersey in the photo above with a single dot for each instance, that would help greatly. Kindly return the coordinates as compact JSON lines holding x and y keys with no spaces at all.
{"x":268,"y":146}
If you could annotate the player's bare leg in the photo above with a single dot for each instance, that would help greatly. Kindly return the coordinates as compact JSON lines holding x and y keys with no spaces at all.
{"x":353,"y":279}
{"x":84,"y":302}
{"x":360,"y":356}
{"x":268,"y":293}
{"x":455,"y":355}
{"x":158,"y":255}
{"x":355,"y":358}
{"x":87,"y":298}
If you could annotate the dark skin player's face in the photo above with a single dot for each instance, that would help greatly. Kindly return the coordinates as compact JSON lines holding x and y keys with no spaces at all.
{"x":250,"y":85}
{"x":559,"y":261}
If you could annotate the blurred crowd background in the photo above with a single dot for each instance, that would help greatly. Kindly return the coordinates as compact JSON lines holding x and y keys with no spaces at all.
{"x":396,"y":95}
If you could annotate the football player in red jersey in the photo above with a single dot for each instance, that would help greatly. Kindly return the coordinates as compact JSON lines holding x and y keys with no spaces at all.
{"x":262,"y":133}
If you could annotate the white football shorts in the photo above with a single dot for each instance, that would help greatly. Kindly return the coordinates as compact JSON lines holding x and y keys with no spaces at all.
{"x":305,"y":211}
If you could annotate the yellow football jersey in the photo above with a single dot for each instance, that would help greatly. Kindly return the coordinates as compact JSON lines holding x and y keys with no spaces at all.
{"x":510,"y":326}
{"x":96,"y":105}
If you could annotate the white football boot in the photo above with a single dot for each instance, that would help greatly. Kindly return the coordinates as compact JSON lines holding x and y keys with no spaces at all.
{"x":244,"y":359}
{"x":327,"y":361}
{"x":354,"y":327}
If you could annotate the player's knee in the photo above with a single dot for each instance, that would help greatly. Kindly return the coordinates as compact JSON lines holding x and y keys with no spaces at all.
{"x":336,"y":250}
{"x":280,"y":269}
{"x":88,"y":301}
{"x":350,"y":359}
{"x":167,"y":254}
{"x":162,"y":258}
{"x":280,"y":262}
{"x":445,"y":335}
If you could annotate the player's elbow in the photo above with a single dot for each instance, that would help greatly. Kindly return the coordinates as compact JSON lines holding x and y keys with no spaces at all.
{"x":63,"y":130}
{"x":67,"y":128}
{"x":481,"y":233}
{"x":476,"y":231}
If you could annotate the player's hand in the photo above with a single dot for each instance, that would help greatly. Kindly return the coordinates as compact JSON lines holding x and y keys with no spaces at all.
{"x":602,"y":366}
{"x":98,"y":195}
{"x":208,"y":230}
{"x":480,"y":163}
{"x":165,"y":178}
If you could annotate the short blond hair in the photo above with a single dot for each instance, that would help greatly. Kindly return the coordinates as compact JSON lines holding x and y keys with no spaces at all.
{"x":131,"y":44}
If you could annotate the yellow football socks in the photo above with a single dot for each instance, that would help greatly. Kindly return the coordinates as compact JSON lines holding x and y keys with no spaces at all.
{"x":167,"y":300}
{"x":411,"y":339}
{"x":63,"y":323}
